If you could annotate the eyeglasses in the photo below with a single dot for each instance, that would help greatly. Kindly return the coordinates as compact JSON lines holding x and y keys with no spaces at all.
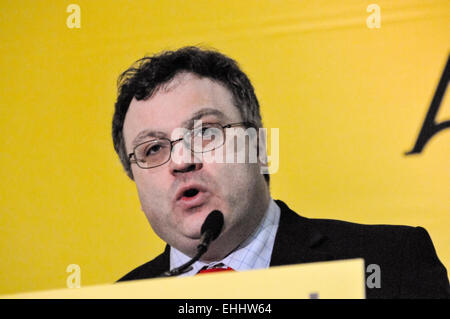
{"x":201,"y":139}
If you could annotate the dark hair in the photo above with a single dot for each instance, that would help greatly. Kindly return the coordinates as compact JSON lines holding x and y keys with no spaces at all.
{"x":148,"y":74}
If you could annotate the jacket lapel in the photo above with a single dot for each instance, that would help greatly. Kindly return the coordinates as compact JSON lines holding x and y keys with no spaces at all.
{"x":297,"y":241}
{"x":160,"y":264}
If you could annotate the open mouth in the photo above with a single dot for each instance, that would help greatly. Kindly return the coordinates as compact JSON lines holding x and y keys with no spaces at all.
{"x":190,"y":193}
{"x":192,"y":196}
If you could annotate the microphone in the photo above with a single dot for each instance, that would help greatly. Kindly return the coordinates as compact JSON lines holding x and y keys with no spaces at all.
{"x":211,"y":228}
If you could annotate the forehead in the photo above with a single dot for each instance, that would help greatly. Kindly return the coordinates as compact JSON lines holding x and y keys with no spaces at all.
{"x":175,"y":103}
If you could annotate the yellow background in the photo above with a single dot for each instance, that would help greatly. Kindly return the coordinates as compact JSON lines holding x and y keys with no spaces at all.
{"x":349,"y":101}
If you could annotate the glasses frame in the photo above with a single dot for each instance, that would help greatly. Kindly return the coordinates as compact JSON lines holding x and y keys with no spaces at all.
{"x":173,"y":142}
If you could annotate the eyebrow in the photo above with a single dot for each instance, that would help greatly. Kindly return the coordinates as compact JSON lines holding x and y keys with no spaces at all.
{"x":186,"y":124}
{"x":201,"y":113}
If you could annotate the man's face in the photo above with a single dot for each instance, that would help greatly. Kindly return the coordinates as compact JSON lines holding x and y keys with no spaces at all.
{"x":239,"y":191}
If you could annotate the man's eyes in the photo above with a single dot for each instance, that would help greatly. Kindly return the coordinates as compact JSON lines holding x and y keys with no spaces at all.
{"x":206,"y":131}
{"x":202,"y":131}
{"x":153,"y":149}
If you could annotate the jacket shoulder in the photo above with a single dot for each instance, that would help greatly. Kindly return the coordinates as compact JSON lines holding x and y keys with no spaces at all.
{"x":333,"y":229}
{"x":405,"y":255}
{"x":350,"y":230}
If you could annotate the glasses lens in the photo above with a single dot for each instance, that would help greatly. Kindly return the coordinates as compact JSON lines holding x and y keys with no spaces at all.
{"x":206,"y":138}
{"x":153,"y":153}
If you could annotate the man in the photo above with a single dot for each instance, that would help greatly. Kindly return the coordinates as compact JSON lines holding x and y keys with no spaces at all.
{"x":169,"y":102}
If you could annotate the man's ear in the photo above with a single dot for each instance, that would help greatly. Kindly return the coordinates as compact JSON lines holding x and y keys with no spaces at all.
{"x":262,"y":147}
{"x":263,"y":157}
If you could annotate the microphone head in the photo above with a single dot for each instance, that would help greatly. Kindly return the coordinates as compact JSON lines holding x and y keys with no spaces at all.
{"x":213,"y":224}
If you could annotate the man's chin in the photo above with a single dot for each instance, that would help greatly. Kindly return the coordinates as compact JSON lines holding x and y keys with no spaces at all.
{"x":190,"y":223}
{"x":191,"y":226}
{"x":193,"y":218}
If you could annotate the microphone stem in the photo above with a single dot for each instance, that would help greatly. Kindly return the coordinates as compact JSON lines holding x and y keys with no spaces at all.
{"x":201,"y":249}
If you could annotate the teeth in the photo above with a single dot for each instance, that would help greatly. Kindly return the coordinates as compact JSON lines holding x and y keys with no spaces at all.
{"x":190,"y":192}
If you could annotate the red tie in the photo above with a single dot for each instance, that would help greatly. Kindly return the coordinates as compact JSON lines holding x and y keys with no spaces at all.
{"x":206,"y":271}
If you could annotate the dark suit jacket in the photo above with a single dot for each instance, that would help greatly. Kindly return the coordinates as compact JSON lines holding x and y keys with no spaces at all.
{"x":409,"y":266}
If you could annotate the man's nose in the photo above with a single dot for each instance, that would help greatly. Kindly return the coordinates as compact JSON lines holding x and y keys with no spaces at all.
{"x":183,"y":160}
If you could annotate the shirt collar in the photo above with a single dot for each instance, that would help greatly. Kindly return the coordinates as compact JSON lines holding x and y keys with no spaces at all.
{"x":253,"y":253}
